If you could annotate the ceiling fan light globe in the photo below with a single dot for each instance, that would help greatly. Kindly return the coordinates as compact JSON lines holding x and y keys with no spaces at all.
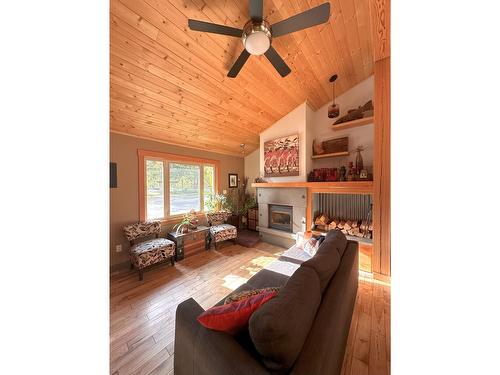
{"x":257,"y":43}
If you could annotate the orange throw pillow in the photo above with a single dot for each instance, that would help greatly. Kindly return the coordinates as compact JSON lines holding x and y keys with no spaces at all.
{"x":233,"y":317}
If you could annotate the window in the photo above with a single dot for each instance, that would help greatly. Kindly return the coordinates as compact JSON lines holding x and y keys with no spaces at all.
{"x":155,"y":187}
{"x":184,"y":188}
{"x":172,"y":185}
{"x":208,"y":184}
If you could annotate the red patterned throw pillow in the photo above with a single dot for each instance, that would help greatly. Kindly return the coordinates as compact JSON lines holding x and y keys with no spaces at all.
{"x":233,"y":317}
{"x":248,"y":293}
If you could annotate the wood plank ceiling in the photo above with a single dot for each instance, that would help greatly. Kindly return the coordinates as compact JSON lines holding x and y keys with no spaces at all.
{"x":169,"y":83}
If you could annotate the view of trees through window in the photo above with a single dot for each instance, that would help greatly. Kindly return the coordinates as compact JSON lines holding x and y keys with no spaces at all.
{"x":208,"y":184}
{"x":188,"y":186}
{"x":154,"y":189}
{"x":184,"y":188}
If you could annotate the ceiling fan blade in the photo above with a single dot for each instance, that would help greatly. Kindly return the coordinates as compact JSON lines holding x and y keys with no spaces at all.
{"x":278,"y":63}
{"x":256,"y":10}
{"x":214,"y":28}
{"x":311,"y":17}
{"x":238,"y":64}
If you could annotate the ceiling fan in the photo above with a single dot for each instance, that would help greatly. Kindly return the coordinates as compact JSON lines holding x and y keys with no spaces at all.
{"x":257,"y":34}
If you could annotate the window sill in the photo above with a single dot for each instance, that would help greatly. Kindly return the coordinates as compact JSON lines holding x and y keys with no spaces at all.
{"x":176,"y":219}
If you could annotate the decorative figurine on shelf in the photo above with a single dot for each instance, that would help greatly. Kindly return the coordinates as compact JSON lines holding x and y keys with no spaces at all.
{"x":318,"y":147}
{"x":259,"y":180}
{"x":310,"y":176}
{"x":342,"y":173}
{"x":363,"y":175}
{"x":351,"y":174}
{"x":333,"y":109}
{"x":365,"y":110}
{"x":359,"y":159}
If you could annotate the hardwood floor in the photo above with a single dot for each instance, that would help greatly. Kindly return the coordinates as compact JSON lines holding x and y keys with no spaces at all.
{"x":142,"y":314}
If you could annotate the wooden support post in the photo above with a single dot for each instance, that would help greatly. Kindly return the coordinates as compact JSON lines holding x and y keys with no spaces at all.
{"x":382,"y":138}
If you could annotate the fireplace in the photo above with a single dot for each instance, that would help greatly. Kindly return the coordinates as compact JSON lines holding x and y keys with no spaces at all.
{"x":281,"y":217}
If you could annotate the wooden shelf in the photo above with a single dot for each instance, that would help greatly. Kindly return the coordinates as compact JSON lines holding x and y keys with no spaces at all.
{"x":345,"y":187}
{"x":332,"y":155}
{"x":354,"y":123}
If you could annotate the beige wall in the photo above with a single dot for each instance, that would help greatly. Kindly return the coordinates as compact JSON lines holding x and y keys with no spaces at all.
{"x":124,"y":200}
{"x":252,"y":169}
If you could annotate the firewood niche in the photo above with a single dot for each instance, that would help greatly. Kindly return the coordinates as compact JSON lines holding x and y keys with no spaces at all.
{"x":356,"y":228}
{"x":350,"y":213}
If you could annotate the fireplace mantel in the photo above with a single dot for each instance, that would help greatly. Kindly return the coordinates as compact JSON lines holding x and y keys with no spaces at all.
{"x":348,"y":187}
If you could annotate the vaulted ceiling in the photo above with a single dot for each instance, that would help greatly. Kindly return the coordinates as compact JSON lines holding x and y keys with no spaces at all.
{"x":168,"y":83}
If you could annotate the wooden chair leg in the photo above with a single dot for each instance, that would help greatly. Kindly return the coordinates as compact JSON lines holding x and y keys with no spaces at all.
{"x":140,"y":274}
{"x":172,"y":260}
{"x":131,"y":266}
{"x":215,"y":245}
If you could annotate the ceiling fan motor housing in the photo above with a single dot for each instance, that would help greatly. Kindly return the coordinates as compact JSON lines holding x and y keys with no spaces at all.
{"x":257,"y":37}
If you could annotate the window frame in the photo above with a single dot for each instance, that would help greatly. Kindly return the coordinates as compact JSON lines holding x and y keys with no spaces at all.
{"x":167,"y":158}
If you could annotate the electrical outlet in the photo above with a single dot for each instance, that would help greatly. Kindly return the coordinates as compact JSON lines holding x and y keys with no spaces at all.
{"x":118,"y":248}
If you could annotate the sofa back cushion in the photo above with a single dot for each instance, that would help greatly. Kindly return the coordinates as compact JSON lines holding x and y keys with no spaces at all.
{"x":327,"y":259}
{"x":279,"y":328}
{"x":335,"y":239}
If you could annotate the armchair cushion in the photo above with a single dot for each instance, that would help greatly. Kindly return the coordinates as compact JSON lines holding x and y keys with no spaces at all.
{"x":141,"y":229}
{"x":217,"y":218}
{"x":150,"y":252}
{"x":223,"y":232}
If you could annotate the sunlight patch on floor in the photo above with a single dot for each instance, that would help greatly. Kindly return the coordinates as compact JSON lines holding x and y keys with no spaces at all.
{"x":262,"y":261}
{"x":257,"y":264}
{"x":233,"y":282}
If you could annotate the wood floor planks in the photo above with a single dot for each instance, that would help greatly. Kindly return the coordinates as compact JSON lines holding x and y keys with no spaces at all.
{"x":142,"y":314}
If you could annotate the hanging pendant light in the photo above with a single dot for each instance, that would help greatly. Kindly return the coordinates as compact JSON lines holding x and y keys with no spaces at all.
{"x":333,"y":109}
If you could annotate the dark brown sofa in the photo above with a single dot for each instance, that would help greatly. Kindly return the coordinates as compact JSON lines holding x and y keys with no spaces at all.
{"x":303,"y":330}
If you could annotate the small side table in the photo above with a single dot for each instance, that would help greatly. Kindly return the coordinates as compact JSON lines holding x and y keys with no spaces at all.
{"x":253,"y":218}
{"x":193,"y":242}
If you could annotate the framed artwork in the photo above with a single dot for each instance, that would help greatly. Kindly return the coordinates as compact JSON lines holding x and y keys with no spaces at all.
{"x":281,"y":157}
{"x":233,"y":180}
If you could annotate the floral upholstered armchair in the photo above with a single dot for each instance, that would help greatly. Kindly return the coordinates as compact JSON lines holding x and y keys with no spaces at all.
{"x":219,"y":230}
{"x":149,"y":252}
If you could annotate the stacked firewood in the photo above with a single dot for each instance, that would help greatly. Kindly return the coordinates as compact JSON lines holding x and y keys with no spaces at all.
{"x":358,"y":228}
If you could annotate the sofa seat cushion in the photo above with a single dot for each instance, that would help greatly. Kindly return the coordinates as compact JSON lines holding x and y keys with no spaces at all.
{"x":223,"y":232}
{"x":279,"y":328}
{"x":151,"y":252}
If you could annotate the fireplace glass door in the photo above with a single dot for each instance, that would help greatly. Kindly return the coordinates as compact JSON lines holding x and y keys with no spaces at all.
{"x":280,"y":217}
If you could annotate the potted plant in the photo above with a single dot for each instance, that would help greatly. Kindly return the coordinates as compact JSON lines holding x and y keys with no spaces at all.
{"x":189,"y":221}
{"x":217,"y":202}
{"x":238,"y":201}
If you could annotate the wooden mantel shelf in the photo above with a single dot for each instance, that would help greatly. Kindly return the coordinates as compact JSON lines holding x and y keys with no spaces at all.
{"x":348,"y":187}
